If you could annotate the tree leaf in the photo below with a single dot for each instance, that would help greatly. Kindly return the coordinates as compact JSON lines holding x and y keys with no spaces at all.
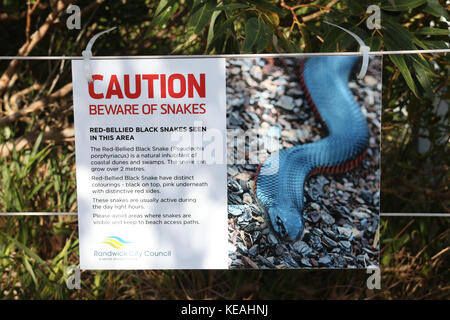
{"x":434,"y":8}
{"x":399,"y":61}
{"x":264,"y":37}
{"x":162,"y":5}
{"x":163,"y":12}
{"x":424,"y":80}
{"x":375,"y":43}
{"x":252,"y":29}
{"x":436,"y":44}
{"x":402,"y":5}
{"x":433,"y":31}
{"x":211,"y":29}
{"x":202,"y":12}
{"x":232,"y":6}
{"x":258,"y":33}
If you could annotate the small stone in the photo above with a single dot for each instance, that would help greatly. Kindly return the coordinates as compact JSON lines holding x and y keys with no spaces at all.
{"x":234,"y":120}
{"x":359,"y":214}
{"x":315,"y":216}
{"x":249,"y":80}
{"x":286,"y":102}
{"x":291,"y":262}
{"x":247,"y":198}
{"x":274,"y":131}
{"x":268,"y":84}
{"x":353,"y":85}
{"x":290,"y":135}
{"x":370,"y":81}
{"x":330,"y":243}
{"x":265,"y":104}
{"x":232,"y":171}
{"x":256,"y":72}
{"x":272,"y":239}
{"x":254,"y":117}
{"x":240,"y":85}
{"x":234,"y":186}
{"x":302,"y":248}
{"x":271,"y":259}
{"x":253,"y":251}
{"x":345,"y":231}
{"x":359,"y":200}
{"x":346,"y":245}
{"x":315,"y":243}
{"x":234,"y":199}
{"x":317,"y":232}
{"x":369,"y":99}
{"x":362,"y":258}
{"x":251,"y":227}
{"x":250,"y":262}
{"x":266,"y":262}
{"x":244,"y":176}
{"x":329,"y":233}
{"x":327,"y":218}
{"x":356,"y":233}
{"x":367,"y":196}
{"x":322,"y":181}
{"x":280,"y":90}
{"x":315,"y":206}
{"x":279,"y":250}
{"x":266,"y":95}
{"x":306,"y":262}
{"x":235,"y":210}
{"x":294,"y":91}
{"x":241,"y":247}
{"x":325,"y":261}
{"x":247,"y":214}
{"x":298,"y":102}
{"x":235,"y":70}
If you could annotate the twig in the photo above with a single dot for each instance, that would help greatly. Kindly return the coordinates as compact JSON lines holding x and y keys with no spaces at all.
{"x":320,"y":12}
{"x":440,"y":253}
{"x":17,"y":95}
{"x":37,"y":5}
{"x":295,"y":20}
{"x":35,"y":106}
{"x":26,"y":48}
{"x":27,"y":28}
{"x":398,"y":235}
{"x":50,"y":134}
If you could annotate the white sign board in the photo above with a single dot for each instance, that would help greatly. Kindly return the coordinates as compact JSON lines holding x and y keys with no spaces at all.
{"x":151,"y":171}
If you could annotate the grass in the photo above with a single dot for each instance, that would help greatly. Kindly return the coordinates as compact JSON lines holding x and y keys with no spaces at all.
{"x":35,"y":251}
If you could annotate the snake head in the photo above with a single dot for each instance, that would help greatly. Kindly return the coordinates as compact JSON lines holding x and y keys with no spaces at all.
{"x":287,"y":221}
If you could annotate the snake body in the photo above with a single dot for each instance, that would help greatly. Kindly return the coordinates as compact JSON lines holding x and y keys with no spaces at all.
{"x":280,"y":179}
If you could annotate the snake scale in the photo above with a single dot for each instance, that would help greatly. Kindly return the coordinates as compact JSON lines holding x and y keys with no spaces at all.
{"x":280,"y":179}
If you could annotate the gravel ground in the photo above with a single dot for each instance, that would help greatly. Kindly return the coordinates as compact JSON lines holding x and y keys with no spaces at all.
{"x":341,"y":211}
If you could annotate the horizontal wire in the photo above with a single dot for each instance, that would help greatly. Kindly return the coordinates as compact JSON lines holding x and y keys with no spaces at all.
{"x":260,"y":55}
{"x":263,"y":55}
{"x":38,"y":214}
{"x":415,"y":215}
{"x":384,"y":214}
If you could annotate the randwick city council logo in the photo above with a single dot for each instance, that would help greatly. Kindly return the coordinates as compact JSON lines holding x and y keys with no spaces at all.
{"x":116,"y":242}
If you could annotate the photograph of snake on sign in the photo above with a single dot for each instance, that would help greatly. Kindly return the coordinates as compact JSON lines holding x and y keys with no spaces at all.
{"x":303,"y":162}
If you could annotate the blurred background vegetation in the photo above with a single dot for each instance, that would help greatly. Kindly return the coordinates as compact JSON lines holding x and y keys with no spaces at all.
{"x":37,"y":163}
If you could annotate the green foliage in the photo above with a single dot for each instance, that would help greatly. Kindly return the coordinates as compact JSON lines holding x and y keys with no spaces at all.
{"x":37,"y":180}
{"x":34,"y":251}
